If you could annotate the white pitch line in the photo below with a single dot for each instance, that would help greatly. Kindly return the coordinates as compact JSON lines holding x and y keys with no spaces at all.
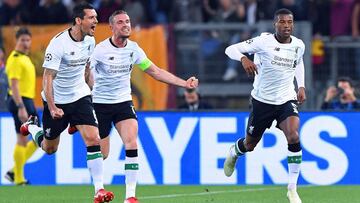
{"x":209,"y":193}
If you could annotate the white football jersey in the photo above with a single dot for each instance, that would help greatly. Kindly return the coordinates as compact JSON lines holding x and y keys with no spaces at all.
{"x":111,"y":67}
{"x":68,"y":57}
{"x":276,"y":63}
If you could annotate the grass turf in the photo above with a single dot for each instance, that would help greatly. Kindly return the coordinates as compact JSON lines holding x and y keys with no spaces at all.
{"x":177,"y":194}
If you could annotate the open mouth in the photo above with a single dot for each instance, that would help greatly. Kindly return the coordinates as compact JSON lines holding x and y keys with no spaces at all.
{"x":93,"y":28}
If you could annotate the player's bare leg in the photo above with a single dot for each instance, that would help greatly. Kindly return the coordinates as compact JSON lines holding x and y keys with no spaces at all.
{"x":290,"y":128}
{"x":90,"y":135}
{"x":240,"y":147}
{"x":128,"y":130}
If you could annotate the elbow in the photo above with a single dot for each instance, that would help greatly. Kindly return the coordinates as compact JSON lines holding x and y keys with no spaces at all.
{"x":156,"y":73}
{"x":228,"y":50}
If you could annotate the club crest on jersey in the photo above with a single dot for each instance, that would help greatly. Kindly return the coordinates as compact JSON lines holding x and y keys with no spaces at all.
{"x":72,"y":53}
{"x":297,"y":49}
{"x":111,"y":58}
{"x":131,"y":57}
{"x":277,"y":49}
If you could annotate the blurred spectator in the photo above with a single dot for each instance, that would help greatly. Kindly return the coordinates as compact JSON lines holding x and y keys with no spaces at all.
{"x":355,"y":21}
{"x":298,"y":8}
{"x":319,"y":12}
{"x":186,"y":11}
{"x":251,"y":11}
{"x":51,"y":12}
{"x":158,"y":11}
{"x":264,"y":9}
{"x":355,"y":25}
{"x":193,"y":101}
{"x":70,"y":4}
{"x":13,"y":12}
{"x":317,"y":50}
{"x":341,"y":97}
{"x":3,"y":81}
{"x":107,"y":7}
{"x":209,"y":8}
{"x":227,"y":12}
{"x":136,"y":11}
{"x":340,"y":17}
{"x":241,"y":14}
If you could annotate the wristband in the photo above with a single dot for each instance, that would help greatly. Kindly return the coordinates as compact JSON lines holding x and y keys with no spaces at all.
{"x":20,"y":105}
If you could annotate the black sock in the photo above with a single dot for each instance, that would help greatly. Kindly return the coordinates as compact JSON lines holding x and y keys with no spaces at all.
{"x":241,"y":146}
{"x":294,"y":147}
{"x":131,"y":153}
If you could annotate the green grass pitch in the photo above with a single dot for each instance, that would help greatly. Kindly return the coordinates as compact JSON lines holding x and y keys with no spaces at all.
{"x":175,"y":194}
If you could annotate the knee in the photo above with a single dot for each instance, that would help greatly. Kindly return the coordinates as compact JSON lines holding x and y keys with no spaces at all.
{"x":50,"y":150}
{"x":131,"y":144}
{"x":293,"y":137}
{"x":93,"y":140}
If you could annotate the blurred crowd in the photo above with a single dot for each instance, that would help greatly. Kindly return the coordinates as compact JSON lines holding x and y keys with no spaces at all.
{"x":329,"y":17}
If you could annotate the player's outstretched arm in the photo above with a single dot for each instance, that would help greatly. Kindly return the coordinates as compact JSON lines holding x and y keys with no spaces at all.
{"x":169,"y":78}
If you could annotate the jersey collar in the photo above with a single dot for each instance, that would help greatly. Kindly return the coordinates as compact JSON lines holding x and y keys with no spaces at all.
{"x":114,"y":45}
{"x":280,"y":42}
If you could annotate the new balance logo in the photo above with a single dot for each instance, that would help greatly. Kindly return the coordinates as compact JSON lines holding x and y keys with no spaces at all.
{"x":111,"y":58}
{"x":277,"y":49}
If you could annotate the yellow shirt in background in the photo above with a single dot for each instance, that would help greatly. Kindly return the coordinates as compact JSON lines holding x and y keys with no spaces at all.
{"x":19,"y":66}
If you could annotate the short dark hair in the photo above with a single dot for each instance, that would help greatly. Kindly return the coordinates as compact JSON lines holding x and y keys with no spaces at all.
{"x":78,"y":11}
{"x":282,"y":11}
{"x":22,"y":31}
{"x":117,"y":12}
{"x":345,"y":79}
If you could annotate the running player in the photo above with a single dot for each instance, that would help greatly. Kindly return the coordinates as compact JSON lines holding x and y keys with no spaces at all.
{"x":277,"y":60}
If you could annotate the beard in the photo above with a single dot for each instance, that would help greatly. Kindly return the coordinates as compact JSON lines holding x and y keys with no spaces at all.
{"x":124,"y":36}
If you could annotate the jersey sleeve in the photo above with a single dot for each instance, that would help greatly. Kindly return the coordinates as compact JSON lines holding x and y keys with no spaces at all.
{"x":92,"y":45}
{"x":14,"y":67}
{"x":94,"y":58}
{"x":53,"y":55}
{"x":141,"y":59}
{"x":250,"y":46}
{"x":300,"y":69}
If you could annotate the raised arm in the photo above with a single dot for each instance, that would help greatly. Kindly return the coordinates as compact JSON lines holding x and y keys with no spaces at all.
{"x":169,"y":78}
